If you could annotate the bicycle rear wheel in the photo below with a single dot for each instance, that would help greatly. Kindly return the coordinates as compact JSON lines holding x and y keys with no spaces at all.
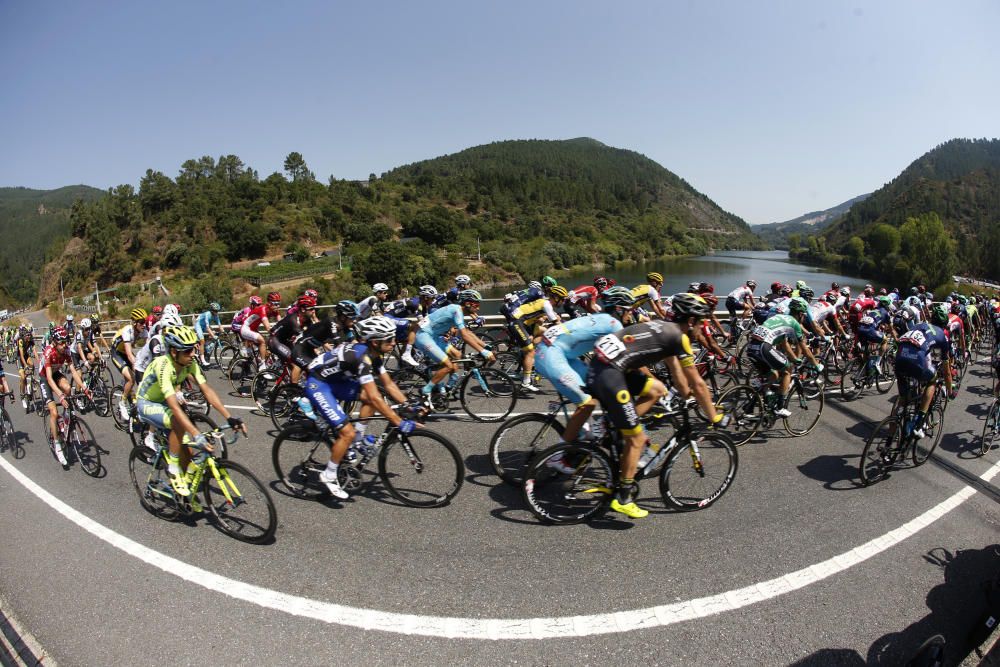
{"x":990,"y":428}
{"x":115,"y":398}
{"x":487,"y":394}
{"x":880,"y":452}
{"x":239,"y":503}
{"x":224,"y":355}
{"x":10,"y":436}
{"x":422,"y":469}
{"x":852,"y":381}
{"x":101,"y":397}
{"x":298,"y":455}
{"x":261,"y":386}
{"x":518,"y":440}
{"x":556,"y":495}
{"x":698,"y":472}
{"x":805,"y":409}
{"x":746,"y":412}
{"x":885,"y":374}
{"x":933,"y":430}
{"x":283,"y":407}
{"x":241,"y":374}
{"x":152,"y":484}
{"x":81,"y":440}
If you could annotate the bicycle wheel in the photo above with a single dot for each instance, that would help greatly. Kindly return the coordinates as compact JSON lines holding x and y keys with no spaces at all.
{"x":990,"y":428}
{"x":116,"y":414}
{"x":83,"y":443}
{"x":746,"y":412}
{"x":410,"y":381}
{"x":698,"y":472}
{"x":241,"y":375}
{"x":9,"y":436}
{"x":510,"y":364}
{"x":880,"y":452}
{"x":422,"y":469}
{"x":805,"y":408}
{"x":885,"y":376}
{"x":518,"y":440}
{"x":152,"y":484}
{"x":224,"y":355}
{"x":194,"y":399}
{"x":298,"y":455}
{"x":487,"y":394}
{"x":933,"y":430}
{"x":261,"y":386}
{"x":555,"y":496}
{"x":282,"y":406}
{"x":239,"y":503}
{"x":101,"y":397}
{"x":852,"y":380}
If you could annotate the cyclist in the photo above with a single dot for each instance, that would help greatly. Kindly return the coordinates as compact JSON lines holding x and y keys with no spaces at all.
{"x":415,"y":307}
{"x":53,"y":384}
{"x":69,"y":326}
{"x":99,"y":340}
{"x":287,"y":330}
{"x":741,"y":297}
{"x":915,"y":363}
{"x":601,"y":283}
{"x":258,"y":316}
{"x":618,"y":302}
{"x":873,"y":326}
{"x":129,"y":339}
{"x":160,"y":408}
{"x":376,"y":303}
{"x":83,"y":351}
{"x":821,"y":313}
{"x":830,"y":296}
{"x":582,"y":301}
{"x":535,"y":311}
{"x":956,"y":331}
{"x":26,"y":358}
{"x":348,"y":372}
{"x":649,"y":294}
{"x":155,"y":345}
{"x":326,"y":333}
{"x":203,"y":329}
{"x":770,"y":348}
{"x":619,"y":379}
{"x":440,"y":323}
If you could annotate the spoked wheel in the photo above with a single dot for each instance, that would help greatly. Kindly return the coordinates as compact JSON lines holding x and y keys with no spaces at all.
{"x":101,"y":398}
{"x":81,"y":440}
{"x":283,"y":406}
{"x":487,"y":394}
{"x":239,"y":503}
{"x":194,"y":400}
{"x":852,"y":381}
{"x":224,"y":355}
{"x":698,"y":472}
{"x":518,"y":440}
{"x":933,"y":432}
{"x":298,"y":455}
{"x":422,"y":469}
{"x":746,"y":413}
{"x":116,"y":396}
{"x":510,"y":364}
{"x":990,"y":428}
{"x":152,"y":483}
{"x":886,"y":377}
{"x":9,"y":436}
{"x":568,"y":483}
{"x":880,"y":452}
{"x":805,"y":408}
{"x":261,"y":386}
{"x":241,"y":375}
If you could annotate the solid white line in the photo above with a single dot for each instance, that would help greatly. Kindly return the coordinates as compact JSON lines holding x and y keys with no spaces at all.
{"x":504,"y":628}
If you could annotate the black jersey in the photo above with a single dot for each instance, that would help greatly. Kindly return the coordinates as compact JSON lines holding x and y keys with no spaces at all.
{"x":644,"y":344}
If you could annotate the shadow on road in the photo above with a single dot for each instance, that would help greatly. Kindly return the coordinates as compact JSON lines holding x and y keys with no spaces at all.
{"x":838,"y":472}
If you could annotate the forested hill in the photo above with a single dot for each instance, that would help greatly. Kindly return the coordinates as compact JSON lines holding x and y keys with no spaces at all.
{"x":32,"y":224}
{"x":778,"y":233}
{"x":528,"y":206}
{"x":940,"y":216}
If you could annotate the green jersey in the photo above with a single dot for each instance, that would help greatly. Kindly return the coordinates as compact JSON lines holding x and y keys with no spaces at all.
{"x":777,"y":329}
{"x":161,"y":379}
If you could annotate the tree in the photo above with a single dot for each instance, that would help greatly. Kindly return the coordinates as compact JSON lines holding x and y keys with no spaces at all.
{"x":296,"y":167}
{"x":930,"y":250}
{"x":435,"y":226}
{"x":883,"y":240}
{"x":855,"y":250}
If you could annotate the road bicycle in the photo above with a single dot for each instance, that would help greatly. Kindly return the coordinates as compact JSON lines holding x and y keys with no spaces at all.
{"x":486,"y":394}
{"x":573,"y":482}
{"x":870,"y":369}
{"x":238,"y":503}
{"x":517,"y":440}
{"x":77,"y":438}
{"x":8,"y":436}
{"x":32,"y":395}
{"x":419,"y":469}
{"x":893,"y":438}
{"x":95,"y":379}
{"x":991,"y":429}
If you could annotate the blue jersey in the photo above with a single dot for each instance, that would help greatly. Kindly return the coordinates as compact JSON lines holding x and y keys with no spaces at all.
{"x":517,"y":299}
{"x":921,"y":340}
{"x":577,"y":337}
{"x":405,"y":308}
{"x":873,"y":319}
{"x":440,"y":321}
{"x":204,"y":321}
{"x":347,"y":363}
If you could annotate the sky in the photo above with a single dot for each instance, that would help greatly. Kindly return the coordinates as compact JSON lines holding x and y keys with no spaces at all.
{"x":772,"y":109}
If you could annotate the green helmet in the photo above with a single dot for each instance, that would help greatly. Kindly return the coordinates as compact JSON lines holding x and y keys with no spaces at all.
{"x":618,"y":296}
{"x":799,"y":284}
{"x":964,"y":300}
{"x":549,"y":281}
{"x":939,"y":314}
{"x":52,"y":325}
{"x":798,"y":305}
{"x":884,"y":301}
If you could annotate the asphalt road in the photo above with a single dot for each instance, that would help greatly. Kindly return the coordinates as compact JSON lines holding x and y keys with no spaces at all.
{"x":796,"y":564}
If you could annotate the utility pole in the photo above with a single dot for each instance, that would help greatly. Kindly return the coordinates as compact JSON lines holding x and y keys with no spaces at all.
{"x":62,"y":296}
{"x":479,"y":250}
{"x":97,"y":298}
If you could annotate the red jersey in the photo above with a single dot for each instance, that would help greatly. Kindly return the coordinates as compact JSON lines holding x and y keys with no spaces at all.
{"x":53,"y":359}
{"x":860,"y":305}
{"x":583,"y":294}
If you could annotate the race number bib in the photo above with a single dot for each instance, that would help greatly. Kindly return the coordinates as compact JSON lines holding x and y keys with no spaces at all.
{"x":764,"y":334}
{"x":424,"y":322}
{"x":553,"y":332}
{"x":915,"y":337}
{"x":867,"y":321}
{"x":609,"y":347}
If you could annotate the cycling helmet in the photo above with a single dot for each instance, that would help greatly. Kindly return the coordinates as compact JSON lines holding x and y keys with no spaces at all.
{"x":462,"y":281}
{"x":882,"y":291}
{"x":654,"y":277}
{"x":469,"y":295}
{"x":962,"y":299}
{"x":52,"y":325}
{"x":949,"y":299}
{"x":347,"y":308}
{"x":157,"y":310}
{"x":618,"y":296}
{"x":907,"y":315}
{"x":313,"y":293}
{"x":884,"y":301}
{"x":85,"y":323}
{"x":274,"y":298}
{"x":549,"y":281}
{"x":956,"y":307}
{"x":693,"y":287}
{"x":834,"y":285}
{"x":786,"y":290}
{"x":69,"y":318}
{"x":171,"y":309}
{"x":377,"y":328}
{"x":845,"y":291}
{"x":170,"y":320}
{"x":430,"y":290}
{"x":869,"y":291}
{"x":59,"y":335}
{"x":305,"y":301}
{"x":914,"y":291}
{"x":706,"y":287}
{"x":558,"y":291}
{"x":775,"y":287}
{"x":711,"y":300}
{"x":214,"y":307}
{"x":379,"y":287}
{"x":798,"y":305}
{"x":139,"y":315}
{"x":601,"y":283}
{"x":799,"y":284}
{"x":807,"y":293}
{"x":534,"y":284}
{"x":180,"y":338}
{"x":256,"y":301}
{"x":752,"y":284}
{"x":939,"y":314}
{"x":922,"y":288}
{"x":690,"y":305}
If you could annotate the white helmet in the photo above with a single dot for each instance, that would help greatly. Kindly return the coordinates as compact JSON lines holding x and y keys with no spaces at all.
{"x":377,"y":328}
{"x":380,"y":287}
{"x":170,"y":319}
{"x":69,"y":318}
{"x":462,"y":280}
{"x":428,"y":290}
{"x":85,"y":323}
{"x":170,"y":309}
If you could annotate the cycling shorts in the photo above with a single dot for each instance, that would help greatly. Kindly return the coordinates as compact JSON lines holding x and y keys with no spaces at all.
{"x":282,"y":351}
{"x":251,"y":336}
{"x":766,"y":357}
{"x":46,"y":390}
{"x":915,"y":365}
{"x":870,"y":335}
{"x":616,"y":392}
{"x":733,"y":305}
{"x":120,"y":361}
{"x":302,"y":355}
{"x":566,"y":375}
{"x":425,"y":343}
{"x":155,"y":414}
{"x":520,"y":335}
{"x":324,"y":397}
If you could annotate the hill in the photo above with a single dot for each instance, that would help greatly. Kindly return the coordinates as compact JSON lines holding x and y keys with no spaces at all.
{"x":33,"y":223}
{"x":940,"y":216}
{"x":525,"y":207}
{"x":778,"y":233}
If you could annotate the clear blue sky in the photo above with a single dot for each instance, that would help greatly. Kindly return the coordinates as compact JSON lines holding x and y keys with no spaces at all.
{"x":771,"y":109}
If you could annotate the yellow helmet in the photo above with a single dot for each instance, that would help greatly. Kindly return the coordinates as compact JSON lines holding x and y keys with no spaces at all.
{"x":558,"y":291}
{"x":654,"y":277}
{"x":139,"y":314}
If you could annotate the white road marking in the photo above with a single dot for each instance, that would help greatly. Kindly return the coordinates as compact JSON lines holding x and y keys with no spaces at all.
{"x":504,"y":628}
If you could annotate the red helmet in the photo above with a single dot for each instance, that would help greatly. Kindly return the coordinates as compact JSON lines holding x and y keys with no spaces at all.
{"x":775,"y":287}
{"x":711,"y":300}
{"x":256,"y":301}
{"x":869,"y":291}
{"x":311,"y":292}
{"x":273,"y":297}
{"x":306,"y":301}
{"x":600,"y":282}
{"x":59,"y":335}
{"x":157,"y":310}
{"x":706,"y":287}
{"x":611,"y":282}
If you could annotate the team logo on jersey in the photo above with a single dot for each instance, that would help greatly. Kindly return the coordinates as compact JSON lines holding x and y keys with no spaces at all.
{"x":628,"y":338}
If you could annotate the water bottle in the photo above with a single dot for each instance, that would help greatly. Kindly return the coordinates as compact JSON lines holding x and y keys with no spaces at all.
{"x":351,"y":456}
{"x":307,"y":409}
{"x":367,"y":445}
{"x":652,"y":449}
{"x":60,"y":423}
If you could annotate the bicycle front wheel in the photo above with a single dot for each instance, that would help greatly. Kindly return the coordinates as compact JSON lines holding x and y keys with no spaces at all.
{"x":239,"y":503}
{"x":746,"y":412}
{"x":568,"y":483}
{"x":152,"y":483}
{"x":805,"y":408}
{"x":852,"y":380}
{"x":990,"y":428}
{"x":698,"y":472}
{"x":880,"y":451}
{"x":116,"y":397}
{"x":81,"y":440}
{"x":886,"y":375}
{"x":10,"y":437}
{"x":488,"y":395}
{"x":422,"y":469}
{"x":298,"y":455}
{"x":261,"y":386}
{"x":518,"y":440}
{"x":933,"y":430}
{"x":101,"y":397}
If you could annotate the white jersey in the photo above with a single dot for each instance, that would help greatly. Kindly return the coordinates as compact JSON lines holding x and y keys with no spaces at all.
{"x":741,"y":293}
{"x":820,"y":310}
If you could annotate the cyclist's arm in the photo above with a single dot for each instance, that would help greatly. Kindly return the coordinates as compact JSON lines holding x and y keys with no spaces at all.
{"x":371,"y":396}
{"x":392,"y":388}
{"x":697,"y":385}
{"x":77,"y":378}
{"x":128,"y":353}
{"x":804,"y":349}
{"x":472,"y":339}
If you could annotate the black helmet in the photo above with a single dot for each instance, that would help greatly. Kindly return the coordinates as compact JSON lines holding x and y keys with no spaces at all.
{"x":689,"y":305}
{"x":347,"y":308}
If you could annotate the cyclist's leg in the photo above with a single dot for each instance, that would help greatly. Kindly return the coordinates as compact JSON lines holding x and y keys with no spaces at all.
{"x":324,"y":400}
{"x":567,"y":377}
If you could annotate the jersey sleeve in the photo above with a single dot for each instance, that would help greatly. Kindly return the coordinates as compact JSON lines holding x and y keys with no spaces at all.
{"x":459,"y":319}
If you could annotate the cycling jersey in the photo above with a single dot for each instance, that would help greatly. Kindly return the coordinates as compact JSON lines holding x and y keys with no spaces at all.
{"x":127,"y":334}
{"x":512,"y":300}
{"x":153,"y":348}
{"x":407,"y":308}
{"x":338,"y":376}
{"x":645,"y":295}
{"x":239,"y":318}
{"x":441,"y":321}
{"x":204,"y":322}
{"x":778,"y":329}
{"x":643,"y":344}
{"x":579,"y":300}
{"x":914,"y":358}
{"x":557,"y":358}
{"x":369,"y":306}
{"x":257,"y":316}
{"x":531,"y":312}
{"x":820,"y":311}
{"x":52,"y":358}
{"x":162,"y":379}
{"x":741,"y":293}
{"x":286,"y":329}
{"x":319,"y":334}
{"x":870,"y":325}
